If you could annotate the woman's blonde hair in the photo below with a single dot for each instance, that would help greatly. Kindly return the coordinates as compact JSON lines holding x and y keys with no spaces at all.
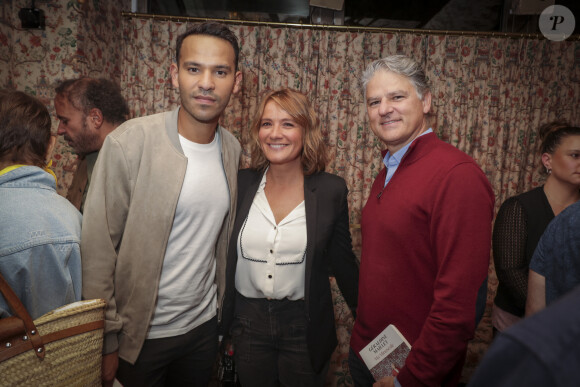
{"x":297,"y":105}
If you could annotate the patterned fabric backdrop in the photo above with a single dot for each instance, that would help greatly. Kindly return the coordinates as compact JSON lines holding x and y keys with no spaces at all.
{"x":489,"y":95}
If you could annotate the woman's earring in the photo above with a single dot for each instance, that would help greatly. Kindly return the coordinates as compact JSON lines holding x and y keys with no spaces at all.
{"x":548,"y":170}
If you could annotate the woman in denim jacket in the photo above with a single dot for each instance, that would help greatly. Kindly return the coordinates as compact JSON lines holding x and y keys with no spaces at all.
{"x":39,"y":230}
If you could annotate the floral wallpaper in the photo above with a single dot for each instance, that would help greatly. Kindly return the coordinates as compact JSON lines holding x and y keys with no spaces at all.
{"x":490,"y":94}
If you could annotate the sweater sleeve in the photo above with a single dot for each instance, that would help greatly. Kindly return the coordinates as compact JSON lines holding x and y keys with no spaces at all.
{"x":509,"y":250}
{"x":104,"y":219}
{"x":460,"y":241}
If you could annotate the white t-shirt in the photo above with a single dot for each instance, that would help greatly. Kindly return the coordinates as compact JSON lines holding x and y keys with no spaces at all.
{"x":187,"y":294}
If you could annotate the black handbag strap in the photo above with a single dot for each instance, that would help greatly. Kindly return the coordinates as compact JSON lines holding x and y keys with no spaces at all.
{"x":20,"y":312}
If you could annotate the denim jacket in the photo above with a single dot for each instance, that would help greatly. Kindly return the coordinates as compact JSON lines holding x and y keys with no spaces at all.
{"x":39,"y":242}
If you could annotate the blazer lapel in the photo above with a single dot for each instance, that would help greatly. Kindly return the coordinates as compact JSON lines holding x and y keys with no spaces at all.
{"x":311,"y":211}
{"x":247,"y":200}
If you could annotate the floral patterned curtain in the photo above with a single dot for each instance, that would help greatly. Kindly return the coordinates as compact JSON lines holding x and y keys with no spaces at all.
{"x":490,"y":94}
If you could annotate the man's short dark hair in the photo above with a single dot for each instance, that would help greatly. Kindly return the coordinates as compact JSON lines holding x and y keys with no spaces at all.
{"x":88,"y":93}
{"x":217,"y":30}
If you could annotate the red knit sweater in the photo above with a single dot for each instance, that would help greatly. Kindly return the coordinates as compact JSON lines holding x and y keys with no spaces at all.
{"x":425,"y":252}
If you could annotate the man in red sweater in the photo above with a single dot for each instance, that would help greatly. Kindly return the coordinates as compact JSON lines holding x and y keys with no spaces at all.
{"x":426,"y":235}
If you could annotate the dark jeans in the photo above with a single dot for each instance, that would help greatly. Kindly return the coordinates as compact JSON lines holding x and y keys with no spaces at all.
{"x":185,"y":360}
{"x":361,"y":376}
{"x":270,"y":349}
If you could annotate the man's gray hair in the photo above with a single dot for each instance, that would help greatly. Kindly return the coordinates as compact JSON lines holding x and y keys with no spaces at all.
{"x":401,"y":65}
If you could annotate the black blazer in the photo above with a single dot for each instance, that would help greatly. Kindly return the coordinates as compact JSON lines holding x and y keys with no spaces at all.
{"x":328,"y":253}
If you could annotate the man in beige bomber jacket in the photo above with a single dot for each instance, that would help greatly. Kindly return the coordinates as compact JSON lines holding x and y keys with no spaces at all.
{"x":157,"y":222}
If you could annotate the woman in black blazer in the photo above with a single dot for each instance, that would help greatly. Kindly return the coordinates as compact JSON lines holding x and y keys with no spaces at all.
{"x":291,"y":233}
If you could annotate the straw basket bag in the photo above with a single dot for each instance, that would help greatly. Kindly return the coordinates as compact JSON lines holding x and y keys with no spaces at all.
{"x":61,"y":348}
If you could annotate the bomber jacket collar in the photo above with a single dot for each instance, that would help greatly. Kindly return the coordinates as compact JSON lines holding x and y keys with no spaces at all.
{"x":173,"y":133}
{"x":171,"y":129}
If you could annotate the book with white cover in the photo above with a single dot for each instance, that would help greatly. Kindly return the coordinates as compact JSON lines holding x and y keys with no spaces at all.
{"x":386,"y":354}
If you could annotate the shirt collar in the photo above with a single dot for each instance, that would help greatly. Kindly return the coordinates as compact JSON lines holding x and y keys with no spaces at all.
{"x":393,"y":160}
{"x":263,"y":181}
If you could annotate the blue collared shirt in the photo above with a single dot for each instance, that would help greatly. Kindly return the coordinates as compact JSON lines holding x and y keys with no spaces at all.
{"x":392,"y":161}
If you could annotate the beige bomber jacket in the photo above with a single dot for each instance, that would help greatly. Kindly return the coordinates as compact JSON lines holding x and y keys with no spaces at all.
{"x":127,"y":220}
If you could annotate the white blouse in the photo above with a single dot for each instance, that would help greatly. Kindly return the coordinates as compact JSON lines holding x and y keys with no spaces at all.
{"x":271,"y":257}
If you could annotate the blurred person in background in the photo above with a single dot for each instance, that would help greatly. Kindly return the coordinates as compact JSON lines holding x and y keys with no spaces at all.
{"x":88,"y":109}
{"x":522,"y":219}
{"x":538,"y":351}
{"x":39,"y":229}
{"x":555,"y":265}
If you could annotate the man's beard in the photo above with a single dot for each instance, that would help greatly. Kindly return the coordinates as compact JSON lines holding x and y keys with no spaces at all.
{"x":87,"y":141}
